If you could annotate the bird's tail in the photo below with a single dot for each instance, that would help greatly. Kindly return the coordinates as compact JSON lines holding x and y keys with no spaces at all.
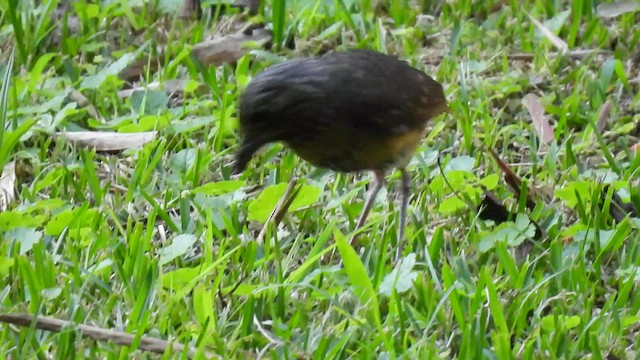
{"x":243,"y":155}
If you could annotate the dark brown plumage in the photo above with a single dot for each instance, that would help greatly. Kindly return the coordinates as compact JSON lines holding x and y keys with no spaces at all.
{"x":346,"y":111}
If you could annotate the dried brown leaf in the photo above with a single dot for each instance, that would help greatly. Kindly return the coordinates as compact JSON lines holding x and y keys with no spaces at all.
{"x":108,"y":141}
{"x":555,"y":40}
{"x":230,"y":48}
{"x":7,"y":185}
{"x":538,"y":117}
{"x":609,"y":10}
{"x":603,"y":115}
{"x":513,"y":180}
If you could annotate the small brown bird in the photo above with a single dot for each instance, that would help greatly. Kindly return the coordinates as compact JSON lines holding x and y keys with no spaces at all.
{"x":346,"y":111}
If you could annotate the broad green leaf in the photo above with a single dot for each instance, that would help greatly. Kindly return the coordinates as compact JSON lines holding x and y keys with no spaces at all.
{"x":590,"y":235}
{"x":617,"y":238}
{"x":308,"y":195}
{"x":401,"y":278}
{"x":5,"y":265}
{"x":177,"y":279}
{"x":524,"y":226}
{"x":113,"y":69}
{"x":13,"y":219}
{"x":267,"y":56}
{"x":78,"y":217}
{"x":183,"y":160}
{"x":241,"y":290}
{"x":190,"y":124}
{"x":610,"y":67}
{"x":331,"y":30}
{"x":179,"y":246}
{"x":67,"y":111}
{"x":261,"y":208}
{"x":92,"y":11}
{"x":451,"y":205}
{"x":26,"y":237}
{"x":219,"y":187}
{"x":458,"y":179}
{"x":357,"y":273}
{"x":37,"y":72}
{"x":473,"y":66}
{"x":9,"y":139}
{"x":102,"y":265}
{"x":629,"y":321}
{"x":566,"y":322}
{"x":490,"y":181}
{"x":51,"y":293}
{"x":242,"y":72}
{"x":554,"y":24}
{"x":568,"y":192}
{"x":464,"y":163}
{"x":513,"y":233}
{"x":203,"y":304}
{"x":149,"y":102}
{"x":617,"y":8}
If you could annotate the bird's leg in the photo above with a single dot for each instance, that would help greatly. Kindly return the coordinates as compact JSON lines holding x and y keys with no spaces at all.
{"x":378,"y":182}
{"x":404,"y":194}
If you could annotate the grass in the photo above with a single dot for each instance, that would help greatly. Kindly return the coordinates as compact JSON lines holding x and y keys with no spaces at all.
{"x":159,"y":240}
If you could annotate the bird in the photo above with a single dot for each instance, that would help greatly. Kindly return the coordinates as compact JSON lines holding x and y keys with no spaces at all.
{"x":348,"y":111}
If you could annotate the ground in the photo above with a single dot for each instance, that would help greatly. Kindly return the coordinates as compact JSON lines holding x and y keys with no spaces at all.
{"x":522,"y":240}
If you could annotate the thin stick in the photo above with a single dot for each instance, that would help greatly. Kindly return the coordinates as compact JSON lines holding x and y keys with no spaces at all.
{"x":281,"y":208}
{"x":147,"y":343}
{"x":574,"y":54}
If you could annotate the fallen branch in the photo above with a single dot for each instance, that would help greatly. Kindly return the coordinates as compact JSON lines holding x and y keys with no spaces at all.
{"x":230,"y":48}
{"x":573,"y":54}
{"x":108,"y":141}
{"x":553,"y":38}
{"x":146,"y":343}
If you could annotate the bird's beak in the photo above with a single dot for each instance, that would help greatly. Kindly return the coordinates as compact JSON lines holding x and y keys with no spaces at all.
{"x":444,"y":109}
